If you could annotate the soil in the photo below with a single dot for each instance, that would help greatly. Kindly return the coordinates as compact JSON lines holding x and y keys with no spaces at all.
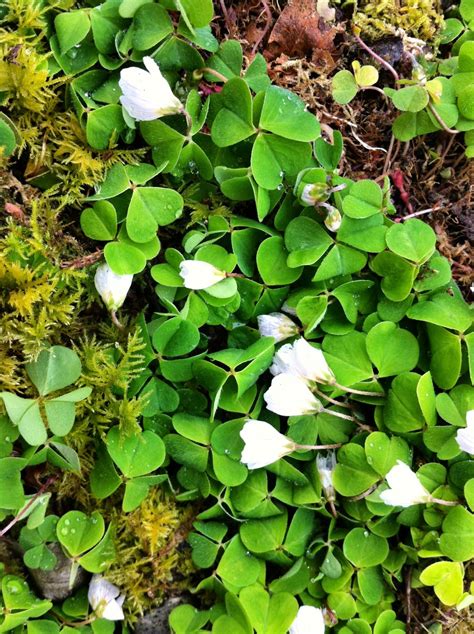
{"x":430,"y":175}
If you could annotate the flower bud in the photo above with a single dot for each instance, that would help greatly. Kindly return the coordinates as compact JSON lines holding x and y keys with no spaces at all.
{"x":288,"y":395}
{"x":105,"y":599}
{"x":313,"y":193}
{"x":146,"y":95}
{"x":465,"y":435}
{"x":309,"y":620}
{"x":198,"y":275}
{"x":325,"y":466}
{"x":263,"y":444}
{"x":276,"y":325}
{"x":405,"y":488}
{"x":333,"y":219}
{"x":112,"y":288}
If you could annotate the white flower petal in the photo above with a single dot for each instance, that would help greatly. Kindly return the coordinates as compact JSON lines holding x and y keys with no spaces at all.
{"x":263,"y":444}
{"x":465,"y":435}
{"x":289,"y":395}
{"x":302,"y":359}
{"x":311,"y":363}
{"x":146,"y":95}
{"x":113,"y":612}
{"x":105,"y":599}
{"x":283,"y":361}
{"x":405,"y":487}
{"x":198,"y":275}
{"x":276,"y":325}
{"x":111,"y":287}
{"x":309,"y":620}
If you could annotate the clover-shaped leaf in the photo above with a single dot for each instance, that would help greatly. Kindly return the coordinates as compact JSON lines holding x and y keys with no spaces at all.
{"x":54,"y":369}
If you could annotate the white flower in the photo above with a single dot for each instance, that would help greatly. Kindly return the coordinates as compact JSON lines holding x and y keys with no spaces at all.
{"x":289,"y":395}
{"x":333,"y":219}
{"x":405,"y":488}
{"x":146,"y":95}
{"x":325,"y":466}
{"x":263,"y":444}
{"x":302,"y":359}
{"x":309,"y":620}
{"x":465,"y":436}
{"x":198,"y":275}
{"x":113,"y":288}
{"x":105,"y":599}
{"x":286,"y":308}
{"x":276,"y":325}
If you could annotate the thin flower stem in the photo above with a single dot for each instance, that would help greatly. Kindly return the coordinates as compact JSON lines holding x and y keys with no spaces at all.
{"x":64,"y":621}
{"x":331,"y":400}
{"x":333,"y":508}
{"x":319,"y":447}
{"x":376,"y":88}
{"x":389,"y":155}
{"x":379,"y":59}
{"x":189,"y":121}
{"x":241,"y":275}
{"x":440,"y":120}
{"x":115,"y":320}
{"x":444,"y":502}
{"x":216,"y":73}
{"x":354,"y":391}
{"x":344,"y":416}
{"x":422,"y":212}
{"x":364,"y":494}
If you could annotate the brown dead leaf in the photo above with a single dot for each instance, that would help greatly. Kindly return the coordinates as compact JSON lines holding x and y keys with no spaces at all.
{"x":300,"y":31}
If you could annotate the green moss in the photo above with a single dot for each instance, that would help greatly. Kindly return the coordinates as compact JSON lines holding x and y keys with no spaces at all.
{"x":422,"y":19}
{"x":38,"y":299}
{"x":152,"y":557}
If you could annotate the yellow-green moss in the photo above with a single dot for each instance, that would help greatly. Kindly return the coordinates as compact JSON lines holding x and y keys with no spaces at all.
{"x":422,"y":19}
{"x":38,"y":299}
{"x":152,"y":559}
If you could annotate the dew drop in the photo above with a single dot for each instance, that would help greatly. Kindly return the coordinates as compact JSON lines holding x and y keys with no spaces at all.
{"x":14,"y":587}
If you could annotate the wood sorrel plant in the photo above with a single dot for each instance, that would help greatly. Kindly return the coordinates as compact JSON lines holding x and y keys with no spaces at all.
{"x":238,"y":211}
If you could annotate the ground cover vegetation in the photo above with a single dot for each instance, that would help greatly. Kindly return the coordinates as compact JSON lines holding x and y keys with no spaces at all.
{"x":235,"y":362}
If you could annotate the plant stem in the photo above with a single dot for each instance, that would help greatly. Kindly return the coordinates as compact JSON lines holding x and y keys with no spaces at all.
{"x":330,"y":400}
{"x":379,"y":59}
{"x":189,"y":121}
{"x":376,"y":88}
{"x":216,"y":73}
{"x":344,"y":416}
{"x":444,"y":502}
{"x":115,"y":320}
{"x":318,"y":447}
{"x":364,"y":494}
{"x":240,"y":275}
{"x":389,"y":155}
{"x":419,"y":213}
{"x":354,"y":391}
{"x":438,"y":118}
{"x":333,"y":508}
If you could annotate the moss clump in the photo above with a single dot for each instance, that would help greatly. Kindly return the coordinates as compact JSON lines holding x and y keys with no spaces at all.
{"x":38,"y":298}
{"x":422,"y":19}
{"x":153,"y":559}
